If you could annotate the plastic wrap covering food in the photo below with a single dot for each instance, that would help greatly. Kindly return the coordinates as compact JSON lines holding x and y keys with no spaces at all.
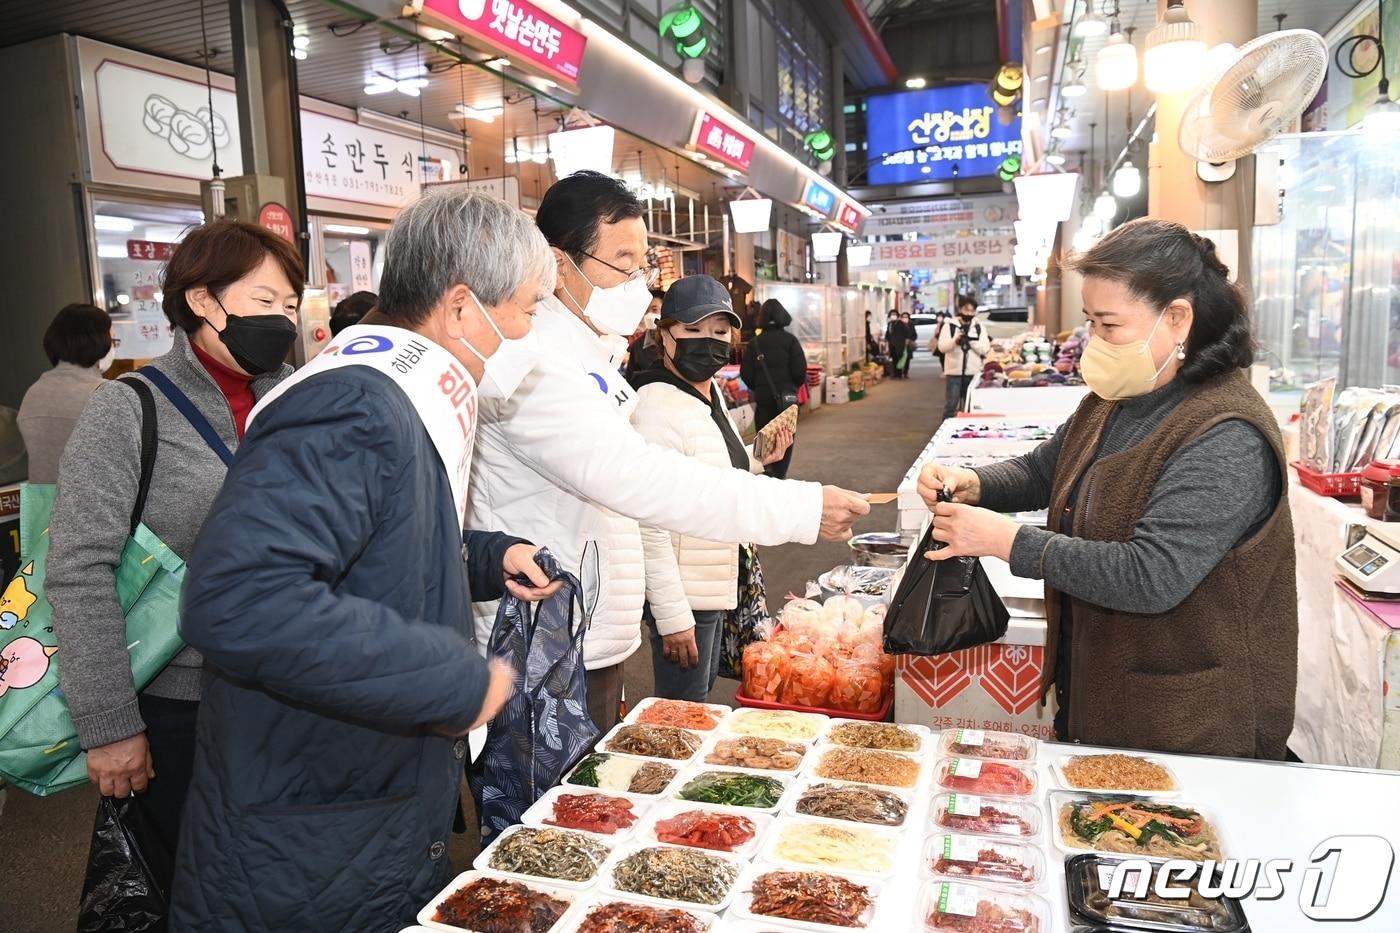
{"x":808,"y":682}
{"x":857,"y":686}
{"x":765,"y":669}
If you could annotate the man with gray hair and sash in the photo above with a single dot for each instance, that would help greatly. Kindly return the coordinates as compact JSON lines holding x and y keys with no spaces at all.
{"x":328,"y":594}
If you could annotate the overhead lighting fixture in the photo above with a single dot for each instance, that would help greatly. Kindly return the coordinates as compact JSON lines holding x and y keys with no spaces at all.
{"x":351,"y":229}
{"x":480,"y":114}
{"x":1076,"y":86}
{"x":1116,"y":66}
{"x":1106,"y":207}
{"x":858,"y":255}
{"x":751,"y":215}
{"x":915,"y":84}
{"x":1383,"y":115}
{"x":1127,"y":181}
{"x":1041,"y":79}
{"x":498,"y":63}
{"x":826,"y":245}
{"x":1174,"y":52}
{"x":1041,"y":50}
{"x":109,"y":224}
{"x":1062,"y":131}
{"x":1083,"y":240}
{"x":382,"y":84}
{"x":1091,"y":24}
{"x":123,"y":298}
{"x":1055,"y":157}
{"x":588,"y":148}
{"x":1047,"y":198}
{"x":111,"y":251}
{"x":300,"y":44}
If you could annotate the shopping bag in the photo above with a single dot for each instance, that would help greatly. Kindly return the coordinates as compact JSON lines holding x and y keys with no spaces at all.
{"x":39,"y":748}
{"x":544,"y":728}
{"x":942,"y":606}
{"x":121,"y":893}
{"x":741,"y":626}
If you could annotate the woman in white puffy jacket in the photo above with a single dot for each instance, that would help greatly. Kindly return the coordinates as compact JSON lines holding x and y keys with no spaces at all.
{"x":691,"y":583}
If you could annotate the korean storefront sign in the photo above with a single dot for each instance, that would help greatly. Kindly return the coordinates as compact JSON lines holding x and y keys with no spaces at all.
{"x":518,"y":30}
{"x":847,"y":217}
{"x":719,"y":140}
{"x":818,"y":198}
{"x":149,"y":249}
{"x":352,"y":162}
{"x":937,"y":134}
{"x":938,"y":218}
{"x":955,"y":252}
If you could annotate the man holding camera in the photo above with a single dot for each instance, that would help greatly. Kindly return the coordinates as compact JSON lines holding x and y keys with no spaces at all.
{"x":964,"y":343}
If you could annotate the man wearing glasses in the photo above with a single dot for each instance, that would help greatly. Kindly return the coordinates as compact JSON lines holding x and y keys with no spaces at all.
{"x":559,"y":462}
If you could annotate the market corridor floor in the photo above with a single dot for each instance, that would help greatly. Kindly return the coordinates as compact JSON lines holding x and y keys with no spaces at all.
{"x":865,"y":446}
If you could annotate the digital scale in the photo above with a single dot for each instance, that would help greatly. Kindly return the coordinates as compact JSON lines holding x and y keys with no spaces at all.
{"x":1372,"y":564}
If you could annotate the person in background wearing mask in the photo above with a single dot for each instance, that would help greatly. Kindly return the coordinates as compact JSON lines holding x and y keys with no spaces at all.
{"x":964,"y":344}
{"x":330,"y":598}
{"x":897,"y":339}
{"x":641,"y":349}
{"x":560,"y":462}
{"x":351,"y":309}
{"x":79,"y":345}
{"x":774,"y":367}
{"x":691,"y":583}
{"x":232,"y":291}
{"x":911,"y":343}
{"x":1172,"y":603}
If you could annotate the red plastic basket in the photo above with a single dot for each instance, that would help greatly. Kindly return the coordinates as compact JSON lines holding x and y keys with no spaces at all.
{"x":1334,"y":485}
{"x":878,"y":716}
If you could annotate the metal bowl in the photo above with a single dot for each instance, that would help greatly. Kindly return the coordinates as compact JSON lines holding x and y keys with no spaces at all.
{"x":881,"y":549}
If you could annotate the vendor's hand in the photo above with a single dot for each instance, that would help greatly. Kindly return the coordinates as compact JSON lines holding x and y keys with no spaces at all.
{"x":840,"y":509}
{"x":971,"y":532}
{"x":782,"y":440}
{"x":498,"y":691}
{"x":121,"y":768}
{"x":679,"y":648}
{"x":964,"y":485}
{"x":520,"y":560}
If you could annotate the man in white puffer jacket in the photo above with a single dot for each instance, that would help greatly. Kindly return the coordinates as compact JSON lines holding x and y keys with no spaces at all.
{"x":561,"y":465}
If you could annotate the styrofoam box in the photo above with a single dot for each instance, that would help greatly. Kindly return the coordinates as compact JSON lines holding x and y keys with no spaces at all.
{"x":689,"y":775}
{"x":542,"y":809}
{"x":1056,"y":799}
{"x":742,"y":906}
{"x":645,"y":831}
{"x":576,"y":920}
{"x":927,"y":738}
{"x":921,"y":780}
{"x":890,"y":841}
{"x":720,"y":713}
{"x":722,"y":736}
{"x":678,"y":762}
{"x":675,"y":766}
{"x":609,"y":881}
{"x":425,"y":916}
{"x":795,"y":796}
{"x":483,"y":861}
{"x":735,"y":722}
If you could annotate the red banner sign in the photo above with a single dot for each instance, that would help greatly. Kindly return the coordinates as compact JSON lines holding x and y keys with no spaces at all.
{"x":275,"y":217}
{"x":518,"y":30}
{"x":848,"y":217}
{"x":148,"y":249}
{"x":719,"y":140}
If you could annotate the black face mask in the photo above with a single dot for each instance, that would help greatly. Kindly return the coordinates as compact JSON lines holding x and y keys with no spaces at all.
{"x":258,"y":343}
{"x":697,"y":359}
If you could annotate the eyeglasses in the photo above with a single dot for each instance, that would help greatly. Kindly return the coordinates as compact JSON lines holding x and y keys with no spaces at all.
{"x":651,"y":273}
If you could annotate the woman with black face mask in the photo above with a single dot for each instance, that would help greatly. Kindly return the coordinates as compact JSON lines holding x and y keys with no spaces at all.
{"x":231,"y":292}
{"x":691,"y":583}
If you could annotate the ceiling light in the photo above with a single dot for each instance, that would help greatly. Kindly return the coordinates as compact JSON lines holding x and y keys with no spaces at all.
{"x":915,"y":83}
{"x":1039,"y":79}
{"x":379,"y":84}
{"x":1090,"y":24}
{"x":1076,"y":86}
{"x":1382,"y":117}
{"x":826,"y":245}
{"x":411,"y":86}
{"x":751,"y":215}
{"x":109,"y":224}
{"x":346,"y":228}
{"x":498,"y":63}
{"x":1105,"y":207}
{"x":1083,"y":241}
{"x":1054,"y":157}
{"x":301,"y":42}
{"x":588,"y":148}
{"x":1127,"y":181}
{"x":858,"y":255}
{"x":1175,"y":52}
{"x":1041,"y":50}
{"x":111,"y":251}
{"x":479,"y":114}
{"x":299,"y":54}
{"x":123,"y":298}
{"x":1062,"y":131}
{"x":1116,"y":66}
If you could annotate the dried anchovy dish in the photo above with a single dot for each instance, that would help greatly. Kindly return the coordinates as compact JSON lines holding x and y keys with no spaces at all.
{"x":610,"y":772}
{"x":868,"y":767}
{"x":549,"y":853}
{"x":732,"y":789}
{"x":754,"y":752}
{"x":654,"y":741}
{"x":494,"y":905}
{"x":622,"y":917}
{"x":676,"y":875}
{"x":885,"y":736}
{"x":810,"y":896}
{"x":851,"y":802}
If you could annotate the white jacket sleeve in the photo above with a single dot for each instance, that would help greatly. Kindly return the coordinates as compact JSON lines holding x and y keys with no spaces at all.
{"x":563,"y":427}
{"x":981,"y":344}
{"x":947,"y":338}
{"x":665,"y":593}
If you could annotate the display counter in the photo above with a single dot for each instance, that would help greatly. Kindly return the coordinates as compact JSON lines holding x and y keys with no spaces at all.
{"x":1060,"y":401}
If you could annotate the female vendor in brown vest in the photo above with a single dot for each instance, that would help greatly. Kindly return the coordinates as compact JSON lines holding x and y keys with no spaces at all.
{"x":1168,"y":561}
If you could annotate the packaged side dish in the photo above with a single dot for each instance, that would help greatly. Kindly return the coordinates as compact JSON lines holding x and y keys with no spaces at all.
{"x":1116,"y":773}
{"x":845,"y":848}
{"x":991,"y":816}
{"x":776,"y":724}
{"x":955,"y":857}
{"x":666,"y":742}
{"x":627,"y":773}
{"x":560,"y":857}
{"x":727,"y":788}
{"x":881,"y":736}
{"x":1089,"y":881}
{"x":673,"y":876}
{"x":713,"y":829}
{"x":485,"y":903}
{"x":606,"y":914}
{"x":868,"y":766}
{"x":755,"y":752}
{"x":1133,"y":826}
{"x":813,"y":900}
{"x":960,"y":907}
{"x":683,"y":714}
{"x":988,"y":745}
{"x":591,"y":811}
{"x":855,"y":803}
{"x":984,"y":778}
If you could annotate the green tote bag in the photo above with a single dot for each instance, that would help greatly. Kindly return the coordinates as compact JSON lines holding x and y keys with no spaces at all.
{"x":39,"y":749}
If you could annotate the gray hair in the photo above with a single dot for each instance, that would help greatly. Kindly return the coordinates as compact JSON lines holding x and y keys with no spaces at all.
{"x":448,"y":238}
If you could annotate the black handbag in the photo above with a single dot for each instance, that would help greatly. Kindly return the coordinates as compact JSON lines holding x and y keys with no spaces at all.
{"x":785,"y":400}
{"x":943,"y":606}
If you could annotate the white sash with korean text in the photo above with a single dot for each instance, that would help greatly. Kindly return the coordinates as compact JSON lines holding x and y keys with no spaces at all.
{"x":443,"y":393}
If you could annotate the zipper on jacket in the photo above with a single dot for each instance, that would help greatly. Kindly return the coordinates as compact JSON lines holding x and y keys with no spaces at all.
{"x":199,"y":367}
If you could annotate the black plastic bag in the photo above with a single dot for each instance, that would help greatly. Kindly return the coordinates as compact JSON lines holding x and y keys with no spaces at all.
{"x":120,"y":892}
{"x":943,"y":606}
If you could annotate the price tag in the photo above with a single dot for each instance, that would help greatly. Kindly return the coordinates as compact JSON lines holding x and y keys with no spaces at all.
{"x":966,"y":768}
{"x":973,"y":737}
{"x":964,"y":805}
{"x":962,"y":849}
{"x":959,"y":900}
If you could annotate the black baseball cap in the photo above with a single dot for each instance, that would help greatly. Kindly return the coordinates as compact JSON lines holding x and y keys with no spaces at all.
{"x":692,"y":299}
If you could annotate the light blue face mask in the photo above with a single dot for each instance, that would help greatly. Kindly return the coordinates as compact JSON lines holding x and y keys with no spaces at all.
{"x":513,"y":360}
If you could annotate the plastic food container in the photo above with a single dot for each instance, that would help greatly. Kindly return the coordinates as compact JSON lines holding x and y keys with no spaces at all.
{"x":1089,"y":881}
{"x":985,"y":778}
{"x":426,"y":915}
{"x":720,"y":713}
{"x":1059,"y":799}
{"x":885,"y":844}
{"x":949,"y":905}
{"x":956,"y":857}
{"x":684,"y":781}
{"x":483,"y":861}
{"x":921,"y":734}
{"x":742,"y":906}
{"x":697,"y":737}
{"x":911,"y":770}
{"x":633,"y":762}
{"x":789,"y":748}
{"x":998,"y":817}
{"x":707,"y":921}
{"x":646,"y":831}
{"x":1377,"y":481}
{"x":776,"y":724}
{"x":610,"y":886}
{"x":989,"y":746}
{"x":794,"y":800}
{"x":1057,"y":768}
{"x":542,"y":810}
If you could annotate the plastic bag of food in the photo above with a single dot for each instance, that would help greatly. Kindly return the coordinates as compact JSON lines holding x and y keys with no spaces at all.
{"x":887,"y":669}
{"x":839,"y":609}
{"x":857,"y":687}
{"x":765,"y":666}
{"x":794,"y":642}
{"x":799,"y":615}
{"x":808,"y":681}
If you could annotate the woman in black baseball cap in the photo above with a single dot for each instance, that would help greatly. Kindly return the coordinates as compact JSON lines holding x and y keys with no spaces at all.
{"x":690,"y":583}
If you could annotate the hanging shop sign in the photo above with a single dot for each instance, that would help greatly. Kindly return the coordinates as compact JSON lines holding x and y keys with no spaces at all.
{"x":940,"y":218}
{"x":817,"y":198}
{"x":149,"y":249}
{"x":943,"y":253}
{"x":518,"y":30}
{"x":937,"y":134}
{"x":505,"y":188}
{"x":848,"y":217}
{"x":719,"y":140}
{"x":352,"y":162}
{"x":273,"y":216}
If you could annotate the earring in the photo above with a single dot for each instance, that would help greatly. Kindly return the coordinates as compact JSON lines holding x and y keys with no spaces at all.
{"x":1181,"y":351}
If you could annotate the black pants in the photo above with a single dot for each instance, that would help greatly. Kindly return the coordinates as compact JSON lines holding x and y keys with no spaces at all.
{"x":957,"y":389}
{"x":901,"y":366}
{"x":765,"y":411}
